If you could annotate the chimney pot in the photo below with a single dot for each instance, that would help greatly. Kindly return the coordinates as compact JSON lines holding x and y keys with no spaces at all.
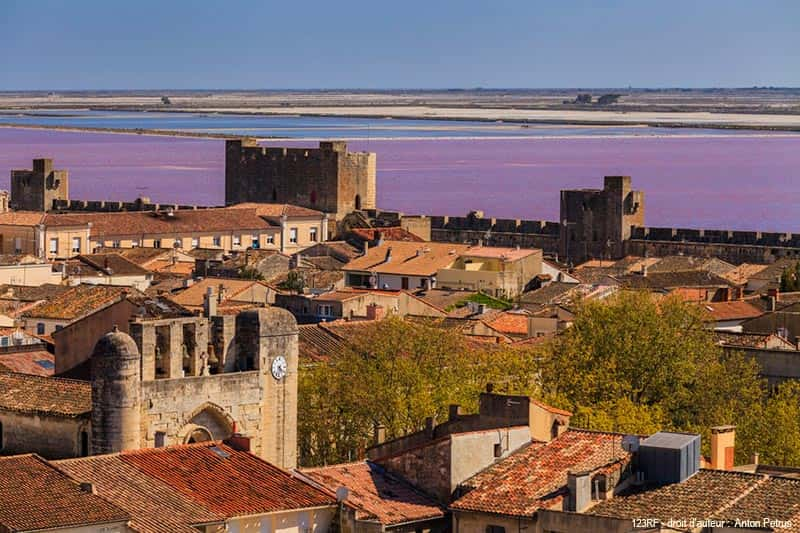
{"x":723,"y":442}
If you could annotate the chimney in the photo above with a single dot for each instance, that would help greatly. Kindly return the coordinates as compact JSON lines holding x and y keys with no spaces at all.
{"x":210,"y":303}
{"x":579,"y":486}
{"x":774,"y":293}
{"x":429,"y":426}
{"x":754,"y":459}
{"x":366,"y":247}
{"x":388,"y":255}
{"x":221,"y":297}
{"x":378,"y":433}
{"x":238,"y":442}
{"x":771,"y":305}
{"x":722,"y":447}
{"x":454,"y":412}
{"x":644,"y":269}
{"x":375,"y":312}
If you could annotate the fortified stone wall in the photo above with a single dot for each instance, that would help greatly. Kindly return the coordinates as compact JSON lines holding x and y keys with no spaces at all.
{"x":109,"y":206}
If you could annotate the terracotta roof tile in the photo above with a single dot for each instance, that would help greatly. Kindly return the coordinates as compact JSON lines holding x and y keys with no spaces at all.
{"x":195,"y":294}
{"x":34,"y":495}
{"x":137,"y":223}
{"x":733,"y":310}
{"x":77,"y":302}
{"x":510,"y":323}
{"x":278,"y":210}
{"x":38,"y":362}
{"x":377,"y":494}
{"x":21,"y":218}
{"x":154,"y":506}
{"x":27,"y":393}
{"x":226,"y":481}
{"x":702,"y":496}
{"x":535,"y":477}
{"x":413,"y":258}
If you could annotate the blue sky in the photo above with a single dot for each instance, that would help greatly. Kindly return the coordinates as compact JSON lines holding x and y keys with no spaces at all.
{"x":87,"y":44}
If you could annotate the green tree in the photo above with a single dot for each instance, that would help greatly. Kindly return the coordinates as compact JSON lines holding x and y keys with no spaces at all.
{"x":638,"y":363}
{"x":396,"y":374}
{"x":294,"y":282}
{"x":790,"y":278}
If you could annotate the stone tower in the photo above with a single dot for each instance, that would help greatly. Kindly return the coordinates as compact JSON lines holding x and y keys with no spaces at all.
{"x":595,"y":223}
{"x":267,"y":338}
{"x":328,"y":178}
{"x":35,"y":189}
{"x":116,"y":394}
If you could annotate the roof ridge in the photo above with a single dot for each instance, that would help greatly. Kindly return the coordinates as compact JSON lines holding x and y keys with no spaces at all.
{"x":747,"y":491}
{"x":48,"y":378}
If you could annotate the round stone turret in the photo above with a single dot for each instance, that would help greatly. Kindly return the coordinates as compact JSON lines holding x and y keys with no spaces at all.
{"x":116,"y":394}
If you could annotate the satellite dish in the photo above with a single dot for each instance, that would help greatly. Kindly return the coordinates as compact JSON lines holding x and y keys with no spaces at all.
{"x":342,"y":493}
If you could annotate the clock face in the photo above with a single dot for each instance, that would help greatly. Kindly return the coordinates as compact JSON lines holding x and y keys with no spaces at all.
{"x":279,"y":367}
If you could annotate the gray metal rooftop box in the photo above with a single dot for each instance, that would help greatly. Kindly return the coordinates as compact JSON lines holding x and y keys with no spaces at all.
{"x":666,"y":457}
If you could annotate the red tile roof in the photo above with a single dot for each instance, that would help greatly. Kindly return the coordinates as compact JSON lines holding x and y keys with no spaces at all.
{"x":26,"y":393}
{"x":34,"y":495}
{"x":154,"y":506}
{"x":510,"y":323}
{"x":137,"y":223}
{"x":733,"y":310}
{"x":38,"y":362}
{"x":21,"y":218}
{"x":535,"y":477}
{"x":389,"y":234}
{"x":226,"y":481}
{"x":550,"y":408}
{"x":377,"y":494}
{"x":77,"y":302}
{"x":278,"y":210}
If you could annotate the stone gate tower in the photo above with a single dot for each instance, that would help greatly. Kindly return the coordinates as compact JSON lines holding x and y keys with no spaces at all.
{"x":595,"y":223}
{"x":328,"y":178}
{"x":35,"y":189}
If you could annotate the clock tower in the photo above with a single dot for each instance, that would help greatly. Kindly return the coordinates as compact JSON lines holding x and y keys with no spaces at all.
{"x":267,"y":342}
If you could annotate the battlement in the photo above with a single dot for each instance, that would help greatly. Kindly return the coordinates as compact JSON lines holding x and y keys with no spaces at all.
{"x":112,"y":206}
{"x":748,"y":238}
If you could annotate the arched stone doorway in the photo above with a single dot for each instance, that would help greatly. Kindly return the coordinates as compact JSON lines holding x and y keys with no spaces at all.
{"x":207,"y":422}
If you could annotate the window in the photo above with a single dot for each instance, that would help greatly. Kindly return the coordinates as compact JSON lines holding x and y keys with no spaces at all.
{"x":255,"y":241}
{"x":161,"y":439}
{"x":134,"y":243}
{"x":76,"y":245}
{"x":404,"y":283}
{"x":495,"y":529}
{"x":18,"y":245}
{"x":195,"y":242}
{"x":293,"y":235}
{"x":54,"y":245}
{"x":217,"y":241}
{"x":116,"y":244}
{"x":59,"y":327}
{"x":84,"y":443}
{"x":325,"y":310}
{"x":237,"y":240}
{"x":40,"y":328}
{"x":3,"y":341}
{"x":156,"y":243}
{"x":270,"y":239}
{"x":312,"y":235}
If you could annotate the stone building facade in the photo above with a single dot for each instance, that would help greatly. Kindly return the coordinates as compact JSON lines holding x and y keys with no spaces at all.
{"x":35,"y":189}
{"x":328,"y":178}
{"x":166,"y":384}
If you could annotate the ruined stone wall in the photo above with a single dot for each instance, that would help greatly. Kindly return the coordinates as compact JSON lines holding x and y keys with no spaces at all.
{"x":328,"y":178}
{"x":52,"y":437}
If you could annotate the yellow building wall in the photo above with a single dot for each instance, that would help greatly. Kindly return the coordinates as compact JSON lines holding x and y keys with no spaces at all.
{"x":64,"y":242}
